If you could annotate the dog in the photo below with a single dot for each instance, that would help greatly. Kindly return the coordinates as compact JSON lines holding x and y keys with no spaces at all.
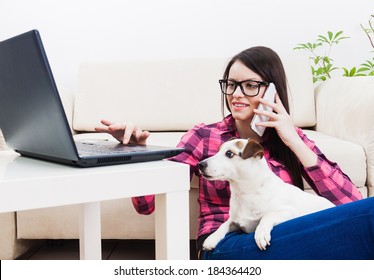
{"x":259,"y":198}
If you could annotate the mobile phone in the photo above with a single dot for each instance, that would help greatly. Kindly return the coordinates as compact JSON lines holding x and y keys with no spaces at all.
{"x":269,"y":96}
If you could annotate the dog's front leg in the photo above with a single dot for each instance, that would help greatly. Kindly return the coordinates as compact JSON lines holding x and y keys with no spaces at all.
{"x":211,"y":242}
{"x":264,"y":228}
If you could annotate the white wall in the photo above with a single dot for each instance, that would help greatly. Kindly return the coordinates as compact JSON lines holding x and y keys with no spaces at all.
{"x":84,"y":30}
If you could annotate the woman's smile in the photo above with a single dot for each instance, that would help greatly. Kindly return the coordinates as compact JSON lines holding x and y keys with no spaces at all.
{"x":239,"y":105}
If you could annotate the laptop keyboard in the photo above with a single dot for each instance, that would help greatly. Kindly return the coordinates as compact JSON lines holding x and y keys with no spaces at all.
{"x":85,"y":148}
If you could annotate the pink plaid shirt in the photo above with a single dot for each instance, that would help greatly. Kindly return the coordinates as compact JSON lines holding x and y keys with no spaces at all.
{"x":203,"y":141}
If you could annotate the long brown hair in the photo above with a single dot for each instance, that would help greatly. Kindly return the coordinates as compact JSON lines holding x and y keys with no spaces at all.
{"x":267,"y":64}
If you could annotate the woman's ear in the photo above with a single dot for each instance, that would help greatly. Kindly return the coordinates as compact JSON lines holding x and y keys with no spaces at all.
{"x":253,"y":149}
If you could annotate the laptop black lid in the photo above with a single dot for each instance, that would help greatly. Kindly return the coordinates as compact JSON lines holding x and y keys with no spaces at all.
{"x":32,"y":117}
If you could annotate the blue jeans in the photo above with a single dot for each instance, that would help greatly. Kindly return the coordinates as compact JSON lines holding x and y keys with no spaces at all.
{"x":342,"y":232}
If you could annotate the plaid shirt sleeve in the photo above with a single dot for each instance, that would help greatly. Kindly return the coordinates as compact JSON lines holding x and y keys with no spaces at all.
{"x":193,"y":145}
{"x":144,"y":204}
{"x":327,"y":179}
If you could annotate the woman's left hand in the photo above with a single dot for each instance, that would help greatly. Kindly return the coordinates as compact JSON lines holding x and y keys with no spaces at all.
{"x":280,"y":120}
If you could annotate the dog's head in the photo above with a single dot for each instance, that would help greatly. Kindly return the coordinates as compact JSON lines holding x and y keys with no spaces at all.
{"x":234,"y":159}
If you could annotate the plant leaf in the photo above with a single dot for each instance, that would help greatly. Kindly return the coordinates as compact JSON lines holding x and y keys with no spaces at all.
{"x":331,"y":35}
{"x":363,"y":69}
{"x":352,"y":72}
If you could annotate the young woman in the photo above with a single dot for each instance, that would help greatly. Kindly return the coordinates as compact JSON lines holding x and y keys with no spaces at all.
{"x":343,"y":232}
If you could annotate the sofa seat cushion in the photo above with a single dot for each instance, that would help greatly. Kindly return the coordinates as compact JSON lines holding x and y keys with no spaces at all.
{"x":119,"y":220}
{"x":352,"y":161}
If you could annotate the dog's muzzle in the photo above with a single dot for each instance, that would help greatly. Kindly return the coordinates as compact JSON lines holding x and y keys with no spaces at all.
{"x":202,"y":166}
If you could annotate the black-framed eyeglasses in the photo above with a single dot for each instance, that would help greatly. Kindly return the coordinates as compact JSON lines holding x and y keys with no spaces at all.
{"x":248,"y":87}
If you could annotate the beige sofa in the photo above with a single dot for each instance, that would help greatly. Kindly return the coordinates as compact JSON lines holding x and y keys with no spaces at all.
{"x":168,"y":97}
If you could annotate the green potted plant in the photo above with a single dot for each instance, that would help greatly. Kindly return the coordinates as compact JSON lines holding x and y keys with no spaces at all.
{"x":322,"y":62}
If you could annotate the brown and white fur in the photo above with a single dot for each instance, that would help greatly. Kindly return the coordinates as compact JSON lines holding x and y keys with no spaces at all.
{"x":259,"y":198}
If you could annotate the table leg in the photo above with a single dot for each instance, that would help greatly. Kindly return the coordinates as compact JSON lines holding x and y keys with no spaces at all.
{"x":172,"y":226}
{"x":90,"y":231}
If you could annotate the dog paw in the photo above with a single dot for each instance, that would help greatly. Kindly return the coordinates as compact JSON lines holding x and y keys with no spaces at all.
{"x":262,"y":237}
{"x":211,"y":242}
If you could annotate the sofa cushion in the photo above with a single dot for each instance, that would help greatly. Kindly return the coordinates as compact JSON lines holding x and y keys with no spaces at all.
{"x":345,"y":110}
{"x":169,"y":95}
{"x":172,"y":95}
{"x":119,"y":220}
{"x":300,"y":90}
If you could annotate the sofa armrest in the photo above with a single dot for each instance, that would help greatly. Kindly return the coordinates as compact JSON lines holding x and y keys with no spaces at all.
{"x":10,"y":246}
{"x":344,"y":109}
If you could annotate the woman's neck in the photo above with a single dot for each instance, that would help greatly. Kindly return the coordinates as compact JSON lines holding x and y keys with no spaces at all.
{"x":245,"y":131}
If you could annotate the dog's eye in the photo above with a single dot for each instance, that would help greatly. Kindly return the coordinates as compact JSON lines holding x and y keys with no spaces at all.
{"x":229,"y":154}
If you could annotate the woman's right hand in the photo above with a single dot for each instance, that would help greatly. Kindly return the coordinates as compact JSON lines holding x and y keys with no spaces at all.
{"x":124,"y":132}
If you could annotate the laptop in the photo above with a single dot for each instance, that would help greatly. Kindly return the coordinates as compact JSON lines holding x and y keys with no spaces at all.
{"x":32,"y":118}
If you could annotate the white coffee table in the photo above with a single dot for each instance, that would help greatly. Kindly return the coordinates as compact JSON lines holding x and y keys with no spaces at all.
{"x":29,"y":184}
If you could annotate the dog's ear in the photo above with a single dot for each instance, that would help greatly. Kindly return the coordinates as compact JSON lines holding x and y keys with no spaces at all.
{"x":253,"y":149}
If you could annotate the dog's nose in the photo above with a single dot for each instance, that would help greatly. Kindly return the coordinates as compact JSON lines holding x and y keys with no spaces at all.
{"x":202,"y":165}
